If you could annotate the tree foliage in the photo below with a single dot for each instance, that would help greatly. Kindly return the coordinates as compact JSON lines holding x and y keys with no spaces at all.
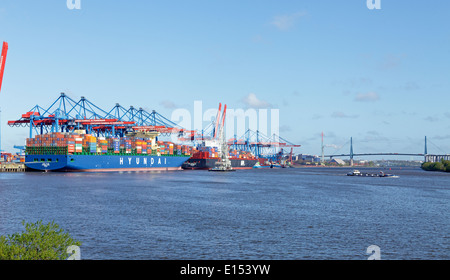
{"x":38,"y":242}
{"x":443,"y":165}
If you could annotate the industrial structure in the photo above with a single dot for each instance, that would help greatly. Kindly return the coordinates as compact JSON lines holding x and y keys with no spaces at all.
{"x":68,"y":115}
{"x":66,"y":123}
{"x":2,"y":70}
{"x":3,"y":62}
{"x":273,"y":148}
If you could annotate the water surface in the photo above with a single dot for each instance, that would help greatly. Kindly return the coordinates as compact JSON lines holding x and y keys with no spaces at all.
{"x":304,"y":213}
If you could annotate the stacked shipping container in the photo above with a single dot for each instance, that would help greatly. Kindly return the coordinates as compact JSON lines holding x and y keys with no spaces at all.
{"x":210,"y":152}
{"x":73,"y":143}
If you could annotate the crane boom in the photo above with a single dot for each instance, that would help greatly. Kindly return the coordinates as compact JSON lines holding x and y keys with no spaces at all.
{"x":2,"y":62}
{"x":223,"y":116}
{"x":217,"y":120}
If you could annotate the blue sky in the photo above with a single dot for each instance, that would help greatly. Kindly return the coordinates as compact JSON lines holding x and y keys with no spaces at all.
{"x":379,"y":76}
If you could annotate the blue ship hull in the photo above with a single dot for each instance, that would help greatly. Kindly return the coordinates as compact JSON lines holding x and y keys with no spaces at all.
{"x":100,"y":163}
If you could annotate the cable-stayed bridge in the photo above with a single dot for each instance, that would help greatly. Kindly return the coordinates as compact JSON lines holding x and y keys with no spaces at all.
{"x":427,"y":157}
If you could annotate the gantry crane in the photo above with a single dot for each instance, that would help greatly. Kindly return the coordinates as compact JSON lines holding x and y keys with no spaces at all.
{"x":67,"y":115}
{"x":263,"y":146}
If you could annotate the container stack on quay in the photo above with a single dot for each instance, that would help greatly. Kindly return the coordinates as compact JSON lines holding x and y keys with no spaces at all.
{"x":10,"y":162}
{"x":10,"y":157}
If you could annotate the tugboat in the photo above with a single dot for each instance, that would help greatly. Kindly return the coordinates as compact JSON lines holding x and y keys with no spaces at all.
{"x":224,"y":163}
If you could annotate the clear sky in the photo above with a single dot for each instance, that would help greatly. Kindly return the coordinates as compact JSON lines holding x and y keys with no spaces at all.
{"x":379,"y":76}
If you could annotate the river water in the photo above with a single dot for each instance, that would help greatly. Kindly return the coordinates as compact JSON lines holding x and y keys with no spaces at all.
{"x":281,"y":214}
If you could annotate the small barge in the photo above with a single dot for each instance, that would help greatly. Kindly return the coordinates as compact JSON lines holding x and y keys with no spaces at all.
{"x":380,"y":174}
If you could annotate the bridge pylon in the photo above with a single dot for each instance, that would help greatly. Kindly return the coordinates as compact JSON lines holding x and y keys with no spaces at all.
{"x":351,"y":151}
{"x":425,"y":152}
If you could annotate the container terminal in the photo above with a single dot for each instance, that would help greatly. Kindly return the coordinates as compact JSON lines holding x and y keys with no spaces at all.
{"x":80,"y":136}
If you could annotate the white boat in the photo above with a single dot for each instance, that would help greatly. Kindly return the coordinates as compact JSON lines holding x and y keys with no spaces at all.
{"x":382,"y":174}
{"x":354,"y":173}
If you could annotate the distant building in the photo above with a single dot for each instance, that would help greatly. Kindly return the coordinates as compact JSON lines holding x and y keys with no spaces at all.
{"x":307,"y":158}
{"x":337,"y":161}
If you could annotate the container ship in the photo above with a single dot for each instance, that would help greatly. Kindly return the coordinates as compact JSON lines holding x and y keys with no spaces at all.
{"x":85,"y":152}
{"x":206,"y":158}
{"x":208,"y":152}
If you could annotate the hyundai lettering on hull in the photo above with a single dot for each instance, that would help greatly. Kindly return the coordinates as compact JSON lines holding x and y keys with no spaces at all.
{"x":144,"y":161}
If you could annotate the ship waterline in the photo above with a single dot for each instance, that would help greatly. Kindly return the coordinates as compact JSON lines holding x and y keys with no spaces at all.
{"x":97,"y":163}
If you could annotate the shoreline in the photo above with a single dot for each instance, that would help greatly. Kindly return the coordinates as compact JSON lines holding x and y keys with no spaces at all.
{"x":354,"y":167}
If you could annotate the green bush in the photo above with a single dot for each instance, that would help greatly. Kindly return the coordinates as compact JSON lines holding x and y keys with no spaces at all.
{"x":446,"y":164}
{"x":443,"y":165}
{"x":38,"y":242}
{"x":426,"y":166}
{"x":438,"y":166}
